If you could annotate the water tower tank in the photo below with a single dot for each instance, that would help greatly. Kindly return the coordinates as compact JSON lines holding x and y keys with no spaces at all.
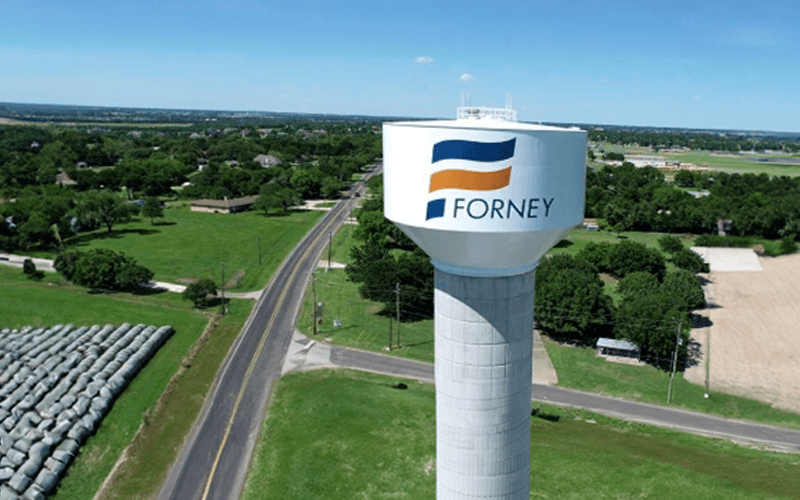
{"x":485,"y":199}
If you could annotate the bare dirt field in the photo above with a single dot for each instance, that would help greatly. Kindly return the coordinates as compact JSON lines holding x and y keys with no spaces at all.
{"x":754,"y":333}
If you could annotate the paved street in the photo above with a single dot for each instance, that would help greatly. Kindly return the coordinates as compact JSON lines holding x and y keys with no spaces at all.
{"x":306,"y":354}
{"x":214,"y":460}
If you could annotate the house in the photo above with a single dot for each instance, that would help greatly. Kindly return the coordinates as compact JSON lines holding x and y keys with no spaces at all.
{"x":224,"y":206}
{"x":266,"y":161}
{"x":63,"y":179}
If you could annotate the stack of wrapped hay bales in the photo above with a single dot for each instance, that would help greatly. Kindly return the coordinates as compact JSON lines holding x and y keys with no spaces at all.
{"x":56,"y":385}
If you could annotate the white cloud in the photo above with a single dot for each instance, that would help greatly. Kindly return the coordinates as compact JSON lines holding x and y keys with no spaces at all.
{"x":466,"y":77}
{"x":696,"y":98}
{"x":424,"y":60}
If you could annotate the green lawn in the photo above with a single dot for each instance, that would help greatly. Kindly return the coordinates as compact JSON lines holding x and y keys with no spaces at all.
{"x":362,"y":325}
{"x":188,"y":244}
{"x":577,"y":239}
{"x":345,"y":435}
{"x":580,"y":368}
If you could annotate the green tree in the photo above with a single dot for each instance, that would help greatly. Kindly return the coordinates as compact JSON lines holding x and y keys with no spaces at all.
{"x":629,"y":257}
{"x":690,"y":261}
{"x":651,"y":322}
{"x":685,"y":290}
{"x":202,"y":293}
{"x":637,"y":284}
{"x":274,"y":196}
{"x":104,"y":207}
{"x":570,"y":300}
{"x":152,"y":208}
{"x":103,"y":269}
{"x":670,"y":243}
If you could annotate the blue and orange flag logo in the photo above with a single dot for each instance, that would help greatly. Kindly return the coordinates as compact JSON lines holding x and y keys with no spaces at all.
{"x":469,"y":180}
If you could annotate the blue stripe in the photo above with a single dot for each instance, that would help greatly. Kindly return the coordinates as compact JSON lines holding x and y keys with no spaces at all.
{"x":473,"y":150}
{"x":435,"y":209}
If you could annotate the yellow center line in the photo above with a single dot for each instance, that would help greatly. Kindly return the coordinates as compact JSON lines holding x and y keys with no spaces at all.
{"x":253,"y":361}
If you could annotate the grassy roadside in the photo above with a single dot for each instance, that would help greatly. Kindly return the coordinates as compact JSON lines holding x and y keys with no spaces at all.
{"x":580,"y":368}
{"x":157,"y":443}
{"x":188,"y":244}
{"x":364,"y":439}
{"x":363,"y":325}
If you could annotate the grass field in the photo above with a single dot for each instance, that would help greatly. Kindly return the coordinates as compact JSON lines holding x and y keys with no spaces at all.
{"x":739,"y":164}
{"x":344,"y":435}
{"x":188,"y":244}
{"x":580,"y":368}
{"x":362,"y":325}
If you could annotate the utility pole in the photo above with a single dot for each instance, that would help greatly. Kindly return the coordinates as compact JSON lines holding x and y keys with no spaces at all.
{"x":397,"y":304}
{"x":330,"y":247}
{"x":222,"y":287}
{"x":390,"y":333}
{"x":314,"y":297}
{"x":678,"y":342}
{"x":259,"y":249}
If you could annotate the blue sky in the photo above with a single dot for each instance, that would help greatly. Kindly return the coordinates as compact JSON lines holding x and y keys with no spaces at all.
{"x":700,"y":64}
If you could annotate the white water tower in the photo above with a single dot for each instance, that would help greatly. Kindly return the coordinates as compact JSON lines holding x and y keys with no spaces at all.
{"x":485,"y":197}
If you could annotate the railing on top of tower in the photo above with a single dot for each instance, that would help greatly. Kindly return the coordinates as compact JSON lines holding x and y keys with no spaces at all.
{"x":468,"y":112}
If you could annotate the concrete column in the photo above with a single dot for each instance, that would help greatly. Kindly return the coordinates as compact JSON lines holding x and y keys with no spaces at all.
{"x":483,"y":332}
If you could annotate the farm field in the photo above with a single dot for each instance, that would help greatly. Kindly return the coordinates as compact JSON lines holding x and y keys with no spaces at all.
{"x":188,"y":244}
{"x":374,"y":441}
{"x":753,"y":329}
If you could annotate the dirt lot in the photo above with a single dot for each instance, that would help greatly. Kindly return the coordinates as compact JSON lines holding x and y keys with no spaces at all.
{"x":754,"y":333}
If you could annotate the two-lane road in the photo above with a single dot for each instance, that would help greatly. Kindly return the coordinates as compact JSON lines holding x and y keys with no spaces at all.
{"x":214,"y":461}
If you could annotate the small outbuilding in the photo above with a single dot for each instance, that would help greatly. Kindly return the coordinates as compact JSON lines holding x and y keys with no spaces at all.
{"x":224,"y":206}
{"x":617,"y":348}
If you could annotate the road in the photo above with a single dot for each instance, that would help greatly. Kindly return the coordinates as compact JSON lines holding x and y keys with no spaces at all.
{"x":683,"y":420}
{"x":215,"y":458}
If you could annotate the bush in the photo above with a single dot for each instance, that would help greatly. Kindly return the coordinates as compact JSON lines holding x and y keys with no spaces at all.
{"x":202,"y":293}
{"x":788,"y":245}
{"x":28,"y":267}
{"x":690,"y":261}
{"x":670,"y":243}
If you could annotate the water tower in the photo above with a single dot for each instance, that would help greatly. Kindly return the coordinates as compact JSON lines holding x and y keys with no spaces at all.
{"x":485,"y":197}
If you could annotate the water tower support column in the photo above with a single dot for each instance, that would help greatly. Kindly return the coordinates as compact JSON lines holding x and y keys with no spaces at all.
{"x":483,"y":331}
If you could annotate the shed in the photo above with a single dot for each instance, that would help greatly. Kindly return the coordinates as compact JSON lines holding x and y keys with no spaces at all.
{"x":225,"y":206}
{"x":613,"y":347}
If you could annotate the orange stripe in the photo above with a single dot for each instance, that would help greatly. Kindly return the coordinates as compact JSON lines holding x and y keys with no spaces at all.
{"x":470,"y":180}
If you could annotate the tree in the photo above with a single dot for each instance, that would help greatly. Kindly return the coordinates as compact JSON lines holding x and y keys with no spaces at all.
{"x":202,"y":293}
{"x":630,"y":256}
{"x":570,"y":301}
{"x":670,"y":243}
{"x":103,"y":269}
{"x":274,"y":196}
{"x":637,"y":284}
{"x":684,"y":178}
{"x":651,"y":322}
{"x":152,"y":208}
{"x":105,"y":208}
{"x":685,"y":290}
{"x":690,"y":261}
